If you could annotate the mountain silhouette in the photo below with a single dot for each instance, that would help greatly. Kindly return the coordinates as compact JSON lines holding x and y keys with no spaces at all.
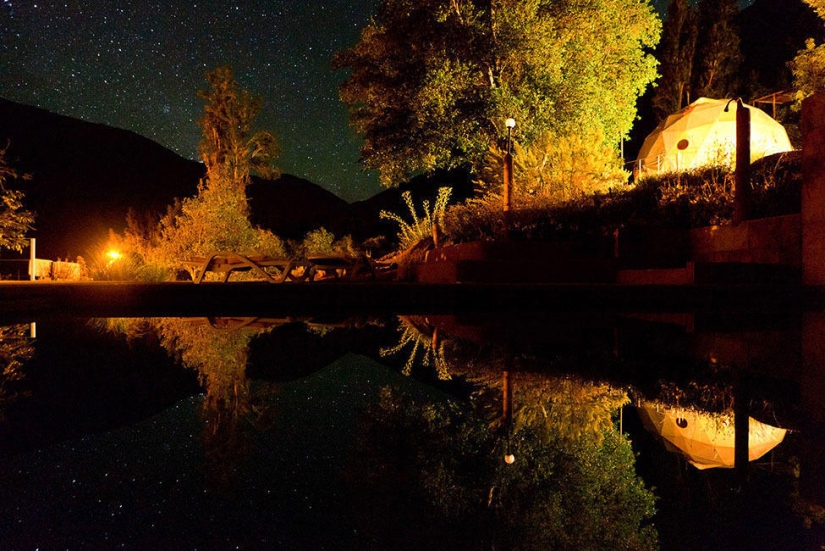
{"x":85,"y":177}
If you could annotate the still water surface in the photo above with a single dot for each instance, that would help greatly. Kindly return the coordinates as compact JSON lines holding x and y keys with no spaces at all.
{"x":569,"y":431}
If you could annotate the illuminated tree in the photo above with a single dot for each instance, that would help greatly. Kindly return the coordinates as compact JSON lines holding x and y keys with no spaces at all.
{"x":15,"y":220}
{"x":15,"y":349}
{"x":218,"y":217}
{"x":554,"y":169}
{"x":818,"y":6}
{"x":431,"y":82}
{"x":676,"y":53}
{"x":808,"y":66}
{"x":717,"y":53}
{"x":229,"y":149}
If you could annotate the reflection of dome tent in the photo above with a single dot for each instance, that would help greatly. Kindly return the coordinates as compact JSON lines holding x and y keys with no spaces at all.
{"x":703,"y":133}
{"x":706,"y":440}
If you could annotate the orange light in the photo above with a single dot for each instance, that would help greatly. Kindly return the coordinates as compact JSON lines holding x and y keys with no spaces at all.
{"x":113,"y":255}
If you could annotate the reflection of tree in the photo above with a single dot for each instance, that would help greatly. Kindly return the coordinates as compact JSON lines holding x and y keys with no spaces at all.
{"x":219,"y":355}
{"x":15,"y":349}
{"x":421,"y":340}
{"x":580,"y":493}
{"x":564,"y":407}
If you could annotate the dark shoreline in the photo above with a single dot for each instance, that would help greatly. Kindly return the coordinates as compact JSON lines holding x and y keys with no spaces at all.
{"x":25,"y":301}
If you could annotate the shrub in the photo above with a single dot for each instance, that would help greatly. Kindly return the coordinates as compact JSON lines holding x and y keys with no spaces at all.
{"x":420,"y":227}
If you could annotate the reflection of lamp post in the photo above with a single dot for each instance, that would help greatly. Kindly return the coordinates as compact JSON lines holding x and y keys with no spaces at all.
{"x":741,"y":190}
{"x":507,"y":413}
{"x":508,"y":168}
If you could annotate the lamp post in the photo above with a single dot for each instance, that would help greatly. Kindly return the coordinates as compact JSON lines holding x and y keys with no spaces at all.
{"x":508,"y":171}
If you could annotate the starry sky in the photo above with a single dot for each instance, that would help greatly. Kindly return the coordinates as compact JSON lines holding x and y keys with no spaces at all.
{"x":138,"y":65}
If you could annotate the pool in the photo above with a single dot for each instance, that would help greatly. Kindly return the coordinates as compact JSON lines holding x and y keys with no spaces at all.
{"x":446,"y":430}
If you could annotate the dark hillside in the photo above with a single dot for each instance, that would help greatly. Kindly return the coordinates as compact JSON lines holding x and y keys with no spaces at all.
{"x":86,"y":176}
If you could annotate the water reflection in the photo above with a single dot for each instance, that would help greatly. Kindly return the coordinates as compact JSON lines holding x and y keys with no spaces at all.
{"x":707,"y":440}
{"x":434,"y":433}
{"x":15,"y":348}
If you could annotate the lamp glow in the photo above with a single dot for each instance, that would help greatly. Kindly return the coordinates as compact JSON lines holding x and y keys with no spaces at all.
{"x":510,"y":123}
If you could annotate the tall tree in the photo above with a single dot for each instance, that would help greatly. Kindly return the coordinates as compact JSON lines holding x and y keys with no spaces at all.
{"x":717,"y":52}
{"x":229,"y":149}
{"x":218,"y":217}
{"x":15,"y":220}
{"x":431,"y":82}
{"x":676,"y":58}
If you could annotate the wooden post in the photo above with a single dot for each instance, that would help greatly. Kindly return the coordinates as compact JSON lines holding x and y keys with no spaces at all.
{"x":742,"y":191}
{"x":508,"y":191}
{"x":32,"y":260}
{"x":508,"y":181}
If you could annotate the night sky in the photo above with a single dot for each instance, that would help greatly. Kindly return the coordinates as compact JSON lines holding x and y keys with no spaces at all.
{"x":139,"y":65}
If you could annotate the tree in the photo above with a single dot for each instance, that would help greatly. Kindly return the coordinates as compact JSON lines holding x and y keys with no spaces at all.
{"x":717,"y":54}
{"x":431,"y":82}
{"x":676,"y":53}
{"x":218,"y":217}
{"x":228,"y":149}
{"x":818,"y":6}
{"x":808,"y":66}
{"x":15,"y":220}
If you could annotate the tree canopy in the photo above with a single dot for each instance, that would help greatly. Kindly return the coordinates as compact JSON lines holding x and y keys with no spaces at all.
{"x":717,"y":49}
{"x":218,"y":217}
{"x":15,"y":220}
{"x":431,"y":82}
{"x":676,"y":52}
{"x":809,"y":65}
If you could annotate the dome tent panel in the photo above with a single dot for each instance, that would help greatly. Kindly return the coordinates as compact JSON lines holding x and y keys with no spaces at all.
{"x":703,"y":133}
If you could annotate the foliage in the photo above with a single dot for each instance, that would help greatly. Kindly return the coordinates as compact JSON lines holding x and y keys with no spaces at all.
{"x":564,"y":408}
{"x":15,"y":349}
{"x":430,"y":83}
{"x":323,"y":242}
{"x":219,"y":355}
{"x":808,"y":69}
{"x":554,"y":169}
{"x":421,"y":227}
{"x":696,"y":198}
{"x":717,"y":53}
{"x":432,"y":351}
{"x":15,"y":220}
{"x":217,"y":218}
{"x":579,"y":495}
{"x":229,"y":149}
{"x":818,"y":6}
{"x":676,"y":54}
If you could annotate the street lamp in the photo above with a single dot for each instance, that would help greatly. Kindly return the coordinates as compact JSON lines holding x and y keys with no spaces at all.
{"x":508,"y":170}
{"x":510,"y":124}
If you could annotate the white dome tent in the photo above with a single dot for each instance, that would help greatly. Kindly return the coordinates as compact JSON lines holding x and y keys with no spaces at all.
{"x":703,"y":134}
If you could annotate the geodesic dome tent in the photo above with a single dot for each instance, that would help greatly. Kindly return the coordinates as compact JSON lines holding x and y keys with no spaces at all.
{"x":704,"y":134}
